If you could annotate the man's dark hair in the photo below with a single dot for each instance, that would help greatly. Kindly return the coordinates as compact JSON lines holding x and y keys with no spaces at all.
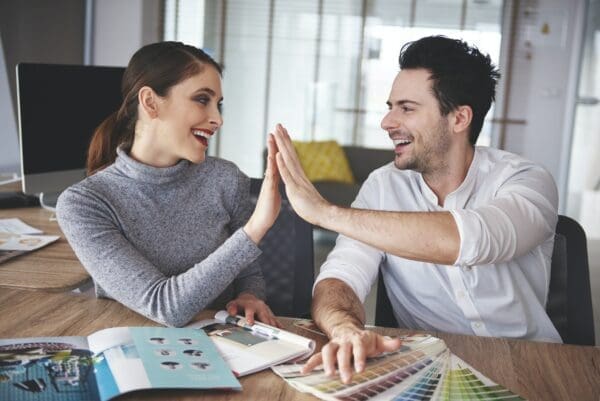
{"x":460,"y":74}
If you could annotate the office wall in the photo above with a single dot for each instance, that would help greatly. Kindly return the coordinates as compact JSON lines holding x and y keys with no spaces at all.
{"x":41,"y":31}
{"x":9,"y":151}
{"x":121,"y":27}
{"x":542,"y":91}
{"x":34,"y":31}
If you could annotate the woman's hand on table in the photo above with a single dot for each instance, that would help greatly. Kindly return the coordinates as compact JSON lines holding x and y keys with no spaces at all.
{"x":253,"y":308}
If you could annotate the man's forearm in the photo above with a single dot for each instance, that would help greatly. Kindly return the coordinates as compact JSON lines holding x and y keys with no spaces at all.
{"x":336,"y":305}
{"x":425,"y":236}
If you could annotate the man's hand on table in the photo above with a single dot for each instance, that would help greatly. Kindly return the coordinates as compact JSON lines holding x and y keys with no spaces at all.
{"x":349,"y":347}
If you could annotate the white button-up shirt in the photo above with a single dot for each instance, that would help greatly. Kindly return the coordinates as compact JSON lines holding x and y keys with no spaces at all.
{"x":506,"y":213}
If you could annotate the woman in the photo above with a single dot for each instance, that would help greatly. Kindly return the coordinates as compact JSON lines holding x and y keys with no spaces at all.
{"x":161,"y":227}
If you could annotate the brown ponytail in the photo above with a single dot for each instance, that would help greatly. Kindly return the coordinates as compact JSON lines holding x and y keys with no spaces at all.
{"x":158,"y":66}
{"x":103,"y":147}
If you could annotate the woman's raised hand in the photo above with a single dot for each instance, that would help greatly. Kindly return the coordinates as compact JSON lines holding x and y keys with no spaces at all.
{"x":269,"y":200}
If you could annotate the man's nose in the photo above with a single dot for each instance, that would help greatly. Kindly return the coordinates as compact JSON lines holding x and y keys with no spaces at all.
{"x":388,"y":122}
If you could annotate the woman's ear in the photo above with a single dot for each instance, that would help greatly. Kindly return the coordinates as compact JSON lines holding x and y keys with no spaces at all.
{"x":461,"y":118}
{"x":148,"y":101}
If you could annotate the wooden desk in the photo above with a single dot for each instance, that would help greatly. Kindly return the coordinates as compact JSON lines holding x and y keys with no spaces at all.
{"x":52,"y":268}
{"x":537,"y":371}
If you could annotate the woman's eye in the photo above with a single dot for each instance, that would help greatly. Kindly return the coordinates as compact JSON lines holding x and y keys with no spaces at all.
{"x":220,"y":106}
{"x":202,"y":99}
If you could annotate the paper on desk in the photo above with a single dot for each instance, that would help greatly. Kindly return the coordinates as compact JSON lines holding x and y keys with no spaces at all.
{"x":21,"y":242}
{"x":17,"y":226}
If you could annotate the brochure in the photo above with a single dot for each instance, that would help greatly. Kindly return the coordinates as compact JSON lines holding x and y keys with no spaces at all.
{"x":251,"y":348}
{"x":17,"y":238}
{"x":422,"y":369}
{"x":110,"y":362}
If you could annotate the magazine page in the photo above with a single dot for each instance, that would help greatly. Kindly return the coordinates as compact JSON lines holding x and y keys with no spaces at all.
{"x":248,"y":349}
{"x":17,"y":238}
{"x":48,"y":368}
{"x":138,"y":358}
{"x":265,"y":329}
{"x":384,"y":376}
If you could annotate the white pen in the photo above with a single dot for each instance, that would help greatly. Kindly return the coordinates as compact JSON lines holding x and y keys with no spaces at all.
{"x":264,"y":331}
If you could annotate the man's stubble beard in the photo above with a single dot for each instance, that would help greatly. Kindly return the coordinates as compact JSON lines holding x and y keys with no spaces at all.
{"x":431,"y":157}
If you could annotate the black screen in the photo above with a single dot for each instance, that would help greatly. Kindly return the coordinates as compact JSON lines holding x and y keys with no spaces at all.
{"x":60,"y":106}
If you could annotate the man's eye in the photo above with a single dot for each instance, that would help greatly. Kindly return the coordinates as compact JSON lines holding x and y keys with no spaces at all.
{"x":406,"y":109}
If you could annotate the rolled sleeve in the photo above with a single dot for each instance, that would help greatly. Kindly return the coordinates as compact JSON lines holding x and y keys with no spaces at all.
{"x":522,"y":216}
{"x":354,"y":263}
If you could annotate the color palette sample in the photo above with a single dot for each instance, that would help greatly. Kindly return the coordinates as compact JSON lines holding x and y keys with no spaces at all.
{"x":423,"y":369}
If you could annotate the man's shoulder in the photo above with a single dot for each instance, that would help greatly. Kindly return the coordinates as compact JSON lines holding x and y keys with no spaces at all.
{"x":493,"y":161}
{"x":501,"y":157}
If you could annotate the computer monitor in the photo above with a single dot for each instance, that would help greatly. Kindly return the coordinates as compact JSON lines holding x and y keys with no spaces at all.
{"x":59,"y":107}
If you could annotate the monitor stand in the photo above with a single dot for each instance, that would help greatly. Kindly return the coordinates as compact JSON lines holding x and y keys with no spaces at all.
{"x":48,"y":200}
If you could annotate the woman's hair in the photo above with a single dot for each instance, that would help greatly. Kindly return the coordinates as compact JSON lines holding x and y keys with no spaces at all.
{"x":159,"y":66}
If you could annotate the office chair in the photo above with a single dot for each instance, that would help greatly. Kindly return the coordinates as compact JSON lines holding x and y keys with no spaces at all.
{"x":569,"y":297}
{"x":287,"y":260}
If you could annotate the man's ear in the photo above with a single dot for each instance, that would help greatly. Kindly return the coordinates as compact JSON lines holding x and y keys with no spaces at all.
{"x":461,"y":118}
{"x":149,"y":101}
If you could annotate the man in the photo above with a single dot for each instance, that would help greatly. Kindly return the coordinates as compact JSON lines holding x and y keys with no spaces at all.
{"x":463,"y":234}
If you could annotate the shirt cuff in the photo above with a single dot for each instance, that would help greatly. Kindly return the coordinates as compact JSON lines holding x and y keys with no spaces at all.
{"x":468,"y":226}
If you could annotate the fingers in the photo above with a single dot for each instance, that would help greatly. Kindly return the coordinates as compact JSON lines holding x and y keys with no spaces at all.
{"x":271,"y":171}
{"x":312,"y":363}
{"x":344,"y":359}
{"x":265,"y":315}
{"x":350,"y":354}
{"x":360,"y":355}
{"x":232,"y":308}
{"x":249,"y":312}
{"x":286,"y":176}
{"x":388,"y":344}
{"x":329,"y":355}
{"x":288,"y":152}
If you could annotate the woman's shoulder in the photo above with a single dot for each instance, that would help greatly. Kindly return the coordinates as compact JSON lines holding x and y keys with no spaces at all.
{"x":91,"y":189}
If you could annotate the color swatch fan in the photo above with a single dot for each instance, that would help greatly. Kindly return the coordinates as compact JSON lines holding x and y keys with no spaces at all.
{"x":423,"y":369}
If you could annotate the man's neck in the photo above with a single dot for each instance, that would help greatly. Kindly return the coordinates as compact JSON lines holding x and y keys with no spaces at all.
{"x":446,"y":180}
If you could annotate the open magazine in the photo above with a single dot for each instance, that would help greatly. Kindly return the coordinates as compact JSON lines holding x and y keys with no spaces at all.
{"x":251,"y":348}
{"x":422,"y":369}
{"x":110,"y":362}
{"x":17,"y":238}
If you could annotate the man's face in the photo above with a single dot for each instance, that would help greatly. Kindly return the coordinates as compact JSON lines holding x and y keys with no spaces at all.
{"x":421,"y":135}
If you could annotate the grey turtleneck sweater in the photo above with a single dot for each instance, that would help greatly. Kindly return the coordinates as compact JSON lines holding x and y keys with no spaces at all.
{"x":165,"y":242}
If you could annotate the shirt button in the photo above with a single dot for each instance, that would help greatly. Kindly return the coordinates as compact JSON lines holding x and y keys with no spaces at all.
{"x":460,"y":294}
{"x":467,"y":268}
{"x":477,"y":325}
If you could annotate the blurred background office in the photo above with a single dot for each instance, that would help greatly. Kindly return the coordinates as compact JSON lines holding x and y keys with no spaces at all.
{"x":324,"y":69}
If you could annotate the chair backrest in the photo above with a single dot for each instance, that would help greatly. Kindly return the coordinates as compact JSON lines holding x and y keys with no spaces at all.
{"x":384,"y":313}
{"x":569,"y":297}
{"x":287,"y":260}
{"x":364,"y":160}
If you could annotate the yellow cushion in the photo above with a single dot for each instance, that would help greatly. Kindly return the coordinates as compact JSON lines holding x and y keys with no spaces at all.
{"x":324,"y":161}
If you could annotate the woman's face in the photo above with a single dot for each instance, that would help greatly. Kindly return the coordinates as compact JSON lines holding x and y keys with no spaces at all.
{"x":189,"y":115}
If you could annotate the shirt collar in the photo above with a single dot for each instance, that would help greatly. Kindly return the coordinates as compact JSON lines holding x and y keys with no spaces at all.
{"x":145,"y":173}
{"x":455,"y":198}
